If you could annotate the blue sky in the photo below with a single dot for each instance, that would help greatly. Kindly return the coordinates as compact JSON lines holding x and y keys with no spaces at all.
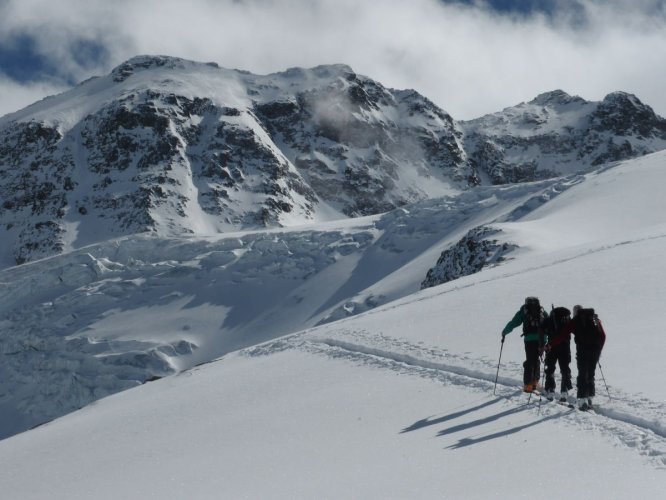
{"x":523,"y":7}
{"x":21,"y":62}
{"x":470,"y":56}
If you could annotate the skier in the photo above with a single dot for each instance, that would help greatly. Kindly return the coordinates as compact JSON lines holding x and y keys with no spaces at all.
{"x":532,"y":316}
{"x":590,"y":338}
{"x":561,"y":353}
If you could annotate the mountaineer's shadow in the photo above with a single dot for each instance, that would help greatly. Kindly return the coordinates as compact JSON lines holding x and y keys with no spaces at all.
{"x":467,"y":425}
{"x":426,"y":422}
{"x":482,"y":421}
{"x":470,"y":441}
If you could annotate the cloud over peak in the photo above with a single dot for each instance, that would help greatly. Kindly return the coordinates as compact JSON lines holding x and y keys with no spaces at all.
{"x":470,"y":57}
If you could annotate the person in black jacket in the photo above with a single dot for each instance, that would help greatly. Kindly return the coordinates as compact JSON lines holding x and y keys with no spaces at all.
{"x":590,"y":338}
{"x":560,"y":354}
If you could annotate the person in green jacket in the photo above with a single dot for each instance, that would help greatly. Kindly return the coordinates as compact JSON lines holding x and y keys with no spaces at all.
{"x":532,"y":316}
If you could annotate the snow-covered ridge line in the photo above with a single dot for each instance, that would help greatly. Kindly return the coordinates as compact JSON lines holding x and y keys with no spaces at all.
{"x":172,"y":147}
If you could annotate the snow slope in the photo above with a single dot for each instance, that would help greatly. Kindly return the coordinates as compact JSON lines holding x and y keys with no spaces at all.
{"x":89,"y":323}
{"x":396,"y":402}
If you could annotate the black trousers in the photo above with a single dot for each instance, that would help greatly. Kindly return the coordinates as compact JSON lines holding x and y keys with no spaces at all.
{"x":531,"y":366}
{"x":560,"y":354}
{"x":587,"y":358}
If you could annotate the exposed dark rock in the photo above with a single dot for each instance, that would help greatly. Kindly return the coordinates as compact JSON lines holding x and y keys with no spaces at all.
{"x":472,"y":253}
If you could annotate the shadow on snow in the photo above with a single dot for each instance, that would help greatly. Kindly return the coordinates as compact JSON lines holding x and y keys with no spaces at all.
{"x":468,"y":441}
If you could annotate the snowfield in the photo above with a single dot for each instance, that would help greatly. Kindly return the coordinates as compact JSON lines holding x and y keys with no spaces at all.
{"x":306,"y":363}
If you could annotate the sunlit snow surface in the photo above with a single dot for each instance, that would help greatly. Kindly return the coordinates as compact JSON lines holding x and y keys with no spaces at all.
{"x":396,"y":402}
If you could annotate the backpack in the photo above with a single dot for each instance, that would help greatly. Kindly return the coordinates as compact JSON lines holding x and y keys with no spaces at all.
{"x":588,"y":330}
{"x":532,"y":315}
{"x":559,"y":316}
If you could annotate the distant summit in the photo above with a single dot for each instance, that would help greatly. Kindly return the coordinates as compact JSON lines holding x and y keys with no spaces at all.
{"x":557,"y":133}
{"x":556,"y":97}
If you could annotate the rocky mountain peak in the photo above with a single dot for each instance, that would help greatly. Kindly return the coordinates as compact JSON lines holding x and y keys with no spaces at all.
{"x":147,"y":62}
{"x":624,"y":114}
{"x":556,"y":134}
{"x":324,"y":71}
{"x":192,"y":148}
{"x":174,"y":147}
{"x":555,"y":98}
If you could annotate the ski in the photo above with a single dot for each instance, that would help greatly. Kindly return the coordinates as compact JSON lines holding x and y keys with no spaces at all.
{"x":536,"y":393}
{"x":587,"y":406}
{"x":562,"y":400}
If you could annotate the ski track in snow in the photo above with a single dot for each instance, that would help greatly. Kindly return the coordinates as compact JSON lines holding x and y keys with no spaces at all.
{"x":628,"y":420}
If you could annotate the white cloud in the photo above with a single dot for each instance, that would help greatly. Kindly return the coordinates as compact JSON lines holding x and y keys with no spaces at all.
{"x":15,"y":96}
{"x":467,"y":59}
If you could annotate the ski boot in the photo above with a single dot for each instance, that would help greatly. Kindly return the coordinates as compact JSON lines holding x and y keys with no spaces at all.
{"x":584,"y":404}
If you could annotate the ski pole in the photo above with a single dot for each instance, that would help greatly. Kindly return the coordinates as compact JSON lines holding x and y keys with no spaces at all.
{"x":543,"y":381}
{"x":498,"y":365}
{"x":604,"y":379}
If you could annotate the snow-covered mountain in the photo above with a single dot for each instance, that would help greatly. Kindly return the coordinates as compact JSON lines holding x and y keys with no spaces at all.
{"x":174,"y":148}
{"x":556,"y":133}
{"x":292,"y":286}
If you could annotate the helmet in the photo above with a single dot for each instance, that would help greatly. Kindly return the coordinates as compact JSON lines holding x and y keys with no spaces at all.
{"x":531,"y":300}
{"x":576,"y":308}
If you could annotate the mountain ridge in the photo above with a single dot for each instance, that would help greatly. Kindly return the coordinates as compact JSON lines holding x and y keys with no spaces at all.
{"x":169,"y":146}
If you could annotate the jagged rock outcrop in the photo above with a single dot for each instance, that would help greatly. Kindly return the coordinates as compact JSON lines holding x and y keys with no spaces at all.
{"x":476,"y":250}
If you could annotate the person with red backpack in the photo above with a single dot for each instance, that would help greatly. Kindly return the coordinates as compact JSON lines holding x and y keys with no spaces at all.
{"x":560,"y":354}
{"x":532,"y":316}
{"x":590,"y":338}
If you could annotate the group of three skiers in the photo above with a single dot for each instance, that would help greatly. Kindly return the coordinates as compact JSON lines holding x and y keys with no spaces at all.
{"x":551,"y":333}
